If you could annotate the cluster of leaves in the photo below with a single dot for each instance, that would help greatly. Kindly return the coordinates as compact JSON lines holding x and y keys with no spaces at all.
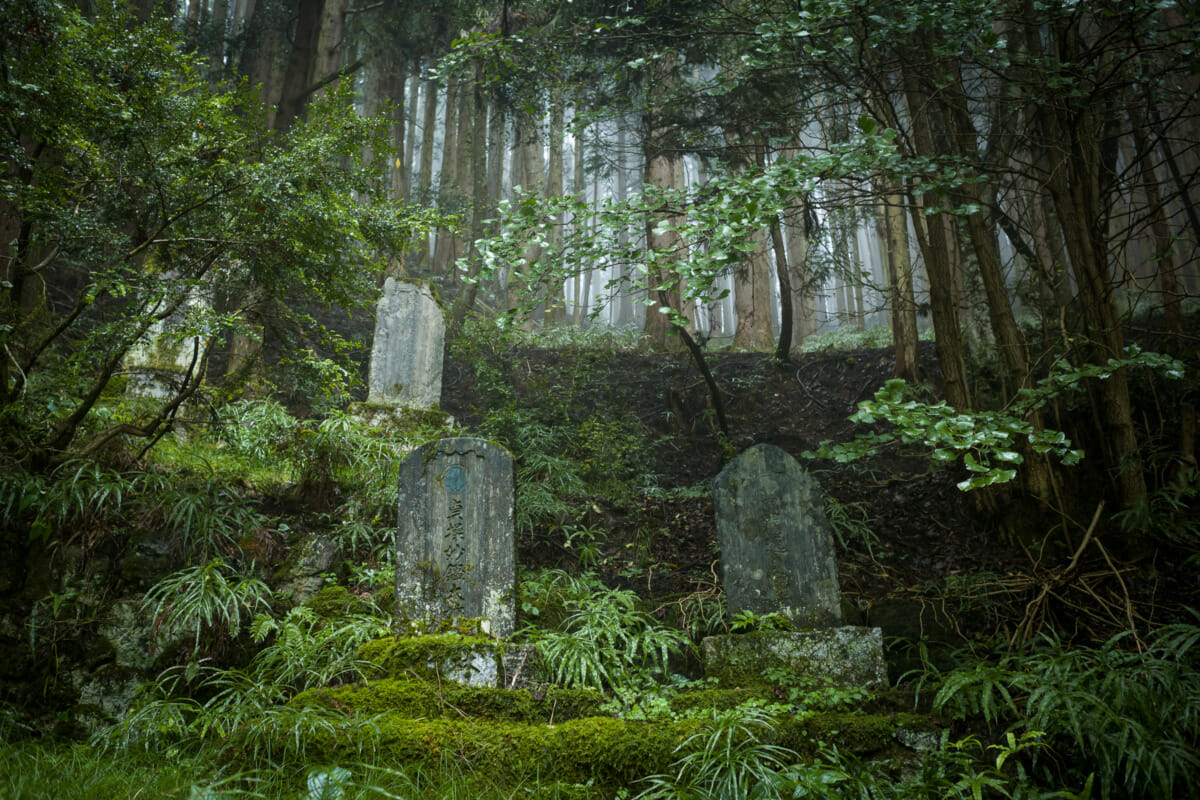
{"x":1123,"y":716}
{"x":988,"y":442}
{"x":605,"y":639}
{"x":198,"y":707}
{"x":83,"y":502}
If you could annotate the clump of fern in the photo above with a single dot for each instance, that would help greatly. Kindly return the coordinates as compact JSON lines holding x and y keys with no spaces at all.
{"x":605,"y":640}
{"x":1127,"y":716}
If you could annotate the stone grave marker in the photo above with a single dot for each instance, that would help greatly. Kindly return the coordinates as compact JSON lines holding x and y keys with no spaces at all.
{"x":777,"y":555}
{"x":455,"y":549}
{"x":777,"y":551}
{"x":406,"y":354}
{"x":159,"y":363}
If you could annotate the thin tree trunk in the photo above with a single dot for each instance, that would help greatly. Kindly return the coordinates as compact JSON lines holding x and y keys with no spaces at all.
{"x":902,"y":303}
{"x":556,"y":310}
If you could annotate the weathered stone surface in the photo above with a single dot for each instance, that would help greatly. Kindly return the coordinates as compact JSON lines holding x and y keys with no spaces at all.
{"x":159,"y":363}
{"x":315,"y":557}
{"x":777,"y":552}
{"x":406,"y":355}
{"x":455,"y":550}
{"x":841,"y":656}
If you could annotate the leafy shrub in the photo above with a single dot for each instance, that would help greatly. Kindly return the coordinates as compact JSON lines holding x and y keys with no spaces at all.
{"x":1128,"y":718}
{"x":604,"y":640}
{"x":732,"y":757}
{"x":204,"y":597}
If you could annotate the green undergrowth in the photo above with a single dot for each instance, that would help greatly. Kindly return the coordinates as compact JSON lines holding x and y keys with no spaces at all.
{"x":431,"y":699}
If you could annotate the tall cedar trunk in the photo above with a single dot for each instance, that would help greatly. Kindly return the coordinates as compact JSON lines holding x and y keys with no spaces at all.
{"x":1163,"y":258}
{"x":934,"y":235}
{"x":784,"y":346}
{"x":803,"y":301}
{"x":556,"y":309}
{"x":528,"y":148}
{"x":464,"y":162}
{"x":752,"y":299}
{"x":425,"y":175}
{"x":300,"y":63}
{"x":625,"y":313}
{"x":477,"y":168}
{"x":448,"y":190}
{"x":902,"y":304}
{"x":660,"y":170}
{"x":413,"y":91}
{"x":261,"y":53}
{"x":752,"y":279}
{"x":1076,"y":160}
{"x":329,"y":42}
{"x":579,"y":190}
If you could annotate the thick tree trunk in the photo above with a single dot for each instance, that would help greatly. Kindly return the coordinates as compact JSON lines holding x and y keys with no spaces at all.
{"x":293,"y":91}
{"x":934,"y":235}
{"x":752,"y":299}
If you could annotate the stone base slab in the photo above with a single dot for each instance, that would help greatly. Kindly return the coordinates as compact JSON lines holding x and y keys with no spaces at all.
{"x":839,"y":656}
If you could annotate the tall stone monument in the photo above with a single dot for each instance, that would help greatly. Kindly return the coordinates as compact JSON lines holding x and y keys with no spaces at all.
{"x":777,"y":551}
{"x":777,"y":556}
{"x":455,"y":549}
{"x":406,"y":355}
{"x":160,"y":362}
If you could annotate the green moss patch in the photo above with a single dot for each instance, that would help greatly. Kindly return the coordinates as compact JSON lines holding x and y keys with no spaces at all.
{"x":601,"y":750}
{"x":432,"y":656}
{"x":425,"y":699}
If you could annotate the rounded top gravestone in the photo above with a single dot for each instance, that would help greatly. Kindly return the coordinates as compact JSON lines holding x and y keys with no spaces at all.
{"x":777,"y":552}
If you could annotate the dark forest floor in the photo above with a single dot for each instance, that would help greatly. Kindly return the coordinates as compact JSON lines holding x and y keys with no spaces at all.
{"x":924,"y":559}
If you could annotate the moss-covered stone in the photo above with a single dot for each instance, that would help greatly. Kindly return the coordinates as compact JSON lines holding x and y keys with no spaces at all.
{"x":433,"y":700}
{"x":863,"y":735}
{"x":332,"y":602}
{"x":840,"y":656}
{"x":601,"y":750}
{"x":442,"y":656}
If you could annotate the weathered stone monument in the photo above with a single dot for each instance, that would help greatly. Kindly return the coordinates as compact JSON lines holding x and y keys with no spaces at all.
{"x":455,"y":550}
{"x":159,"y":363}
{"x":776,"y":544}
{"x":777,"y":556}
{"x":406,"y":355}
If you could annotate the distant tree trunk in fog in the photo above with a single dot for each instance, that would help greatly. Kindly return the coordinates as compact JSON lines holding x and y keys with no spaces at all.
{"x":1163,"y":259}
{"x":448,"y":190}
{"x":661,"y":170}
{"x":476,"y":147}
{"x":412,"y":89}
{"x":624,"y":314}
{"x":425,"y":175}
{"x":556,"y":309}
{"x":752,"y":298}
{"x":902,"y":304}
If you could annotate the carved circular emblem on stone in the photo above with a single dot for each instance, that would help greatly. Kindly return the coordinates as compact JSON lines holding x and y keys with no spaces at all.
{"x":455,"y":479}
